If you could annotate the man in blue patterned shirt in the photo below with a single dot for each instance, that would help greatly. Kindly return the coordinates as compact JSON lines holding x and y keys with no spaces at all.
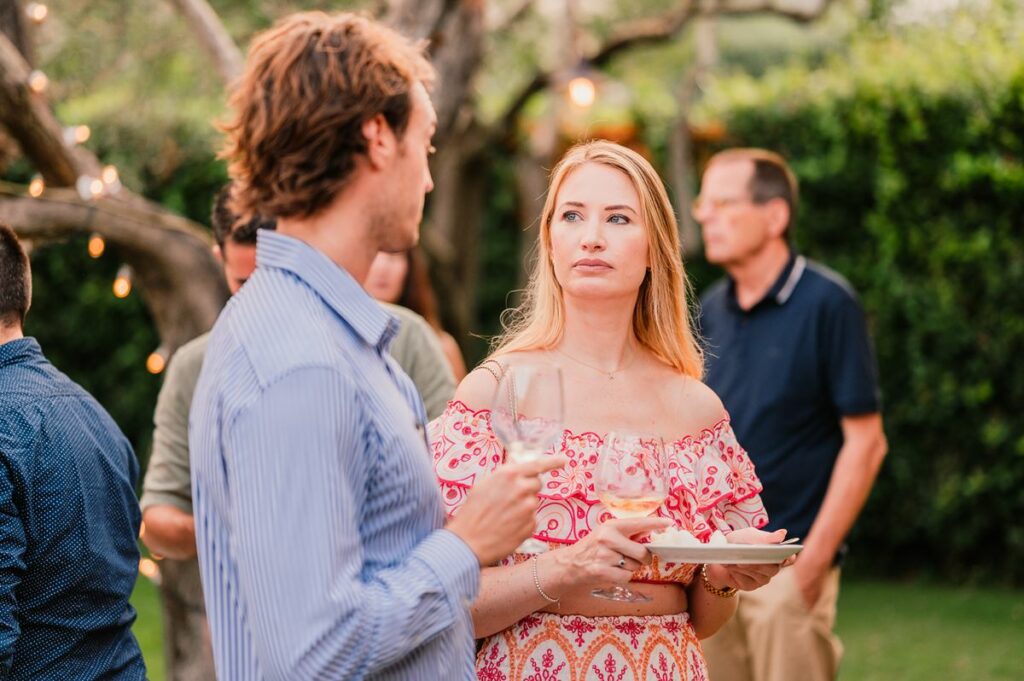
{"x":322,"y":540}
{"x":68,"y":513}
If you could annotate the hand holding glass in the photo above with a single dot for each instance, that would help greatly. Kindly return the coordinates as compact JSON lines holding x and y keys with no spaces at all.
{"x":527,"y":417}
{"x":631,"y":480}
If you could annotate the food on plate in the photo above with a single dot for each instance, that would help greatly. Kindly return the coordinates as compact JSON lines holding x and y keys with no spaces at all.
{"x":674,"y":536}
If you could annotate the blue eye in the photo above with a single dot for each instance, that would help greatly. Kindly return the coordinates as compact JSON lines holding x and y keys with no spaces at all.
{"x":618,"y":219}
{"x":571,"y":216}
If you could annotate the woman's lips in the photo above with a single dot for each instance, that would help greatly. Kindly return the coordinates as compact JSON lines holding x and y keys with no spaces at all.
{"x":591,"y":265}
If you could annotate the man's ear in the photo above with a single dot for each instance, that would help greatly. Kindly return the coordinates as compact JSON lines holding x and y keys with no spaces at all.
{"x":778,"y":215}
{"x":380,"y":141}
{"x":218,"y":254}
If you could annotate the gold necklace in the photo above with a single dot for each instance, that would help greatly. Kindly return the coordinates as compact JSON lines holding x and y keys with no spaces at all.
{"x":609,"y":374}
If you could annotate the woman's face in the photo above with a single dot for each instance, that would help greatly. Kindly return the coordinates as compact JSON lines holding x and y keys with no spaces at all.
{"x":387,"y":276}
{"x":598,"y":238}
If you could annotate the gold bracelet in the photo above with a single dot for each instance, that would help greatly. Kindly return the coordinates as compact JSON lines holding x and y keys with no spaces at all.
{"x":727,"y":592}
{"x":536,"y":582}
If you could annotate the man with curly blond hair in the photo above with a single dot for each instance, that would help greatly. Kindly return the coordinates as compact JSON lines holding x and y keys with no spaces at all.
{"x":322,"y":541}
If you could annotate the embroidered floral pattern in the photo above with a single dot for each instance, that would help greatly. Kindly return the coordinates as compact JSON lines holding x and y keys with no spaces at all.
{"x":713,"y":487}
{"x":577,"y":648}
{"x":712,"y":481}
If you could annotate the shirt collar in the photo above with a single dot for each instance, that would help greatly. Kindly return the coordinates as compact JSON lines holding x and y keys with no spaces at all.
{"x":335,"y":286}
{"x":784,"y":285}
{"x":19,"y":351}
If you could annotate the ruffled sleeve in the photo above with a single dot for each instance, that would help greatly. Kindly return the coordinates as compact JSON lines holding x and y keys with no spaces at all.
{"x":464,"y":448}
{"x":713,"y":483}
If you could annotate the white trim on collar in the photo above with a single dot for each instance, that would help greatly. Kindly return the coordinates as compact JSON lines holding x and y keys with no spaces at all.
{"x":794,"y":277}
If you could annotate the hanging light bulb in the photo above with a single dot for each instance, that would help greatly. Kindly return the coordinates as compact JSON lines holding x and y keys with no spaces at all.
{"x":96,"y":246}
{"x":36,"y":187}
{"x":111,"y":179}
{"x":37,"y":12}
{"x":38,"y":82}
{"x":89,"y":188}
{"x":582,"y":91}
{"x":157,"y":360}
{"x":123,"y":282}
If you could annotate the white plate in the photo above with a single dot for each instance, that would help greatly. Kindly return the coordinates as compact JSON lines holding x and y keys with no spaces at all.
{"x":730,"y":554}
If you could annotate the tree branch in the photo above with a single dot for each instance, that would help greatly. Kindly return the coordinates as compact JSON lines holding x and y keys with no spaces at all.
{"x":505,"y":23}
{"x":419,"y":19}
{"x":214,"y":38}
{"x":178,"y":277}
{"x":657,"y":29}
{"x":636,"y":32}
{"x":30,"y":121}
{"x":801,"y":15}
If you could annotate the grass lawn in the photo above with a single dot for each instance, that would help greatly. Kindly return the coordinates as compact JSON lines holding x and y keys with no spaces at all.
{"x":892,"y":632}
{"x":913,"y":632}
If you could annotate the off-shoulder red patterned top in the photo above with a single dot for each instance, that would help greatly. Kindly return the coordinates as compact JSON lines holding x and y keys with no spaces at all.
{"x":712,"y":482}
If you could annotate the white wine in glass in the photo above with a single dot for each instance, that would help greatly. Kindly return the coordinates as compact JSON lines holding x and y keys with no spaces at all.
{"x":631,"y":480}
{"x":526,"y":415}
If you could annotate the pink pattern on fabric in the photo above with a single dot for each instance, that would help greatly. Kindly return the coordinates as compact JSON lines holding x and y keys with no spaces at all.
{"x":712,"y":481}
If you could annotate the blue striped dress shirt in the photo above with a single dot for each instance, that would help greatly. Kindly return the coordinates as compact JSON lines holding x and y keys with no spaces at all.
{"x":318,"y":518}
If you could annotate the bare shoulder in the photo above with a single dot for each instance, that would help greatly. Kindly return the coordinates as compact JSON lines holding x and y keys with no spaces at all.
{"x":700,"y":405}
{"x":476,"y":390}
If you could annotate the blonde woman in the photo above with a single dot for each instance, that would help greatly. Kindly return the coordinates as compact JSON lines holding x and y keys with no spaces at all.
{"x":608,"y":303}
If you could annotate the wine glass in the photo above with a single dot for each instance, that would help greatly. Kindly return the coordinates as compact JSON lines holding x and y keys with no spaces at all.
{"x":527,"y":417}
{"x":631,"y":480}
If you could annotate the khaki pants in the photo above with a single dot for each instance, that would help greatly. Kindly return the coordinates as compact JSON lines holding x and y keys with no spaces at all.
{"x":188,"y":653}
{"x":774,"y":637}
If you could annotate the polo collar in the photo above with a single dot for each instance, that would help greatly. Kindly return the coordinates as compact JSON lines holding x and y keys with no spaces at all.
{"x":335,"y":286}
{"x":19,"y":351}
{"x":784,"y":285}
{"x":787,"y":281}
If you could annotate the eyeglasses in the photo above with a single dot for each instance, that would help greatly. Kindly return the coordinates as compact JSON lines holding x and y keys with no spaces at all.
{"x":704,"y":202}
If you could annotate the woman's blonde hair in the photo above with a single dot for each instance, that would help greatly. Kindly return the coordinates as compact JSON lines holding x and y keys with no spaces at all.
{"x":661,"y":320}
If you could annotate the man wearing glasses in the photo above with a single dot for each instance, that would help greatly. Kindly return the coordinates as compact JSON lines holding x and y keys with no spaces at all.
{"x":789,"y":353}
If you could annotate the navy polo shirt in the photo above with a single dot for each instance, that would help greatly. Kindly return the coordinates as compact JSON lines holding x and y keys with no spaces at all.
{"x":788,"y":370}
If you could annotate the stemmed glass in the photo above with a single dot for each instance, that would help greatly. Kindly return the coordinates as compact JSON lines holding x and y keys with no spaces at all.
{"x":527,"y":417}
{"x":631,"y":480}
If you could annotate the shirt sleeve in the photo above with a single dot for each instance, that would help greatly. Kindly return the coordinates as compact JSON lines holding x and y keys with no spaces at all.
{"x":168,"y":478}
{"x":12,"y":565}
{"x":851,"y":371}
{"x":297,"y":465}
{"x":418,"y":351}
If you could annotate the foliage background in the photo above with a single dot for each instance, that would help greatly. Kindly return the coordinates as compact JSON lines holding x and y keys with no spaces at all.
{"x":909,"y":141}
{"x":910,"y":150}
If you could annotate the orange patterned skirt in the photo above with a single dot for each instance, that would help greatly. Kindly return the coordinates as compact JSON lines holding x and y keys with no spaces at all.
{"x":548,"y":647}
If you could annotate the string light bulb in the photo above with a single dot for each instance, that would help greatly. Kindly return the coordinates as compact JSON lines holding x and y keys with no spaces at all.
{"x":36,"y":187}
{"x":582,"y":92}
{"x":157,"y":360}
{"x":96,"y":246}
{"x":89,"y":188}
{"x":77,"y":134}
{"x":123,"y":282}
{"x":37,"y":12}
{"x":38,"y":82}
{"x":111,"y":180}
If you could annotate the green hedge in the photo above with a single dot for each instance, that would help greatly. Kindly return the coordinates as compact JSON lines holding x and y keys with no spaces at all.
{"x":910,"y":152}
